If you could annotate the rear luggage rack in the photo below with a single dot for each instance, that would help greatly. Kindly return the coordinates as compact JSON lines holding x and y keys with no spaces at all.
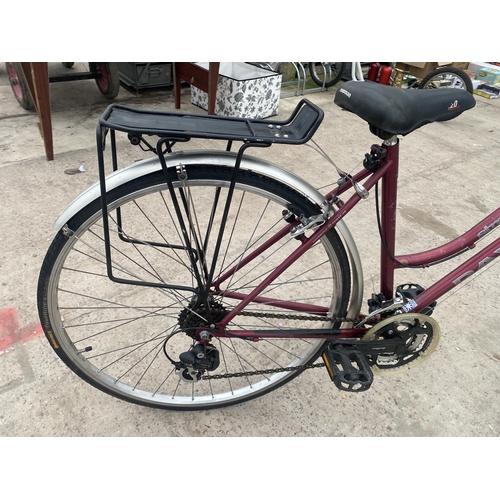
{"x":298,"y":129}
{"x":171,"y":128}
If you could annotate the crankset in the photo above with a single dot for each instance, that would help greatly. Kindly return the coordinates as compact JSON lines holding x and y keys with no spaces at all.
{"x":419,"y":333}
{"x":393,"y":345}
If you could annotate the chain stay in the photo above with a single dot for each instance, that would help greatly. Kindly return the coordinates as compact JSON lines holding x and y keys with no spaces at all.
{"x":296,"y":316}
{"x":285,"y":369}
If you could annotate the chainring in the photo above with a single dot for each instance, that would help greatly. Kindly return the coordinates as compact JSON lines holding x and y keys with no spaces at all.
{"x":421,"y":334}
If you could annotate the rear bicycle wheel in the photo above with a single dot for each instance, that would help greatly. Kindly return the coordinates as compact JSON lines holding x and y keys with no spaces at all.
{"x":326,"y":73}
{"x":121,"y":338}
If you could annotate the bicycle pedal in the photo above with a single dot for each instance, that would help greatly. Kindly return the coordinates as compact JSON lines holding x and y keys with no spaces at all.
{"x":348,"y":368}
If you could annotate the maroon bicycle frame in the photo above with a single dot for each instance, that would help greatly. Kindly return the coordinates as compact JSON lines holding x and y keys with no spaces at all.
{"x":423,"y":259}
{"x":389,"y":262}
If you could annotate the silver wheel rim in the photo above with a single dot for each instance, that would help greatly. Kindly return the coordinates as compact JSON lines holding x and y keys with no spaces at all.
{"x":211,"y":397}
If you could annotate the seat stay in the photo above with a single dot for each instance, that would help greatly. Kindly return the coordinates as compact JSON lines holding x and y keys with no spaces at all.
{"x":307,"y":243}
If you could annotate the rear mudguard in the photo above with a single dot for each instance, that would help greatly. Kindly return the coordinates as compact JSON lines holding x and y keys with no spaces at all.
{"x":221,"y":158}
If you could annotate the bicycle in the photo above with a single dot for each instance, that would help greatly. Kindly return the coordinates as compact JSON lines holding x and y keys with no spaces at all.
{"x":194,"y":280}
{"x":326,"y":74}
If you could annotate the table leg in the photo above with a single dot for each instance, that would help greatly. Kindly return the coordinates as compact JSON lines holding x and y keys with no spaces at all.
{"x":37,"y":77}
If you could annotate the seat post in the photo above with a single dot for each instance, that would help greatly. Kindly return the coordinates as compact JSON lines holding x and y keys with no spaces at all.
{"x":388,"y":218}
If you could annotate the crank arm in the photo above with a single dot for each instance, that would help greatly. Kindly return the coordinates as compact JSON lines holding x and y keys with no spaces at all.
{"x":372,"y":347}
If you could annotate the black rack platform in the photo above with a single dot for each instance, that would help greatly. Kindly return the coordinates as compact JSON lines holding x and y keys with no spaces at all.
{"x":298,"y":129}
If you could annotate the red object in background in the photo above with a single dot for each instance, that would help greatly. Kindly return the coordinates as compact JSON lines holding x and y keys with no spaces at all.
{"x":373,"y":73}
{"x":385,"y":75}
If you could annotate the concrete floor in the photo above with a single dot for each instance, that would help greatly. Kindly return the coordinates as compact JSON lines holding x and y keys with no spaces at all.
{"x":450,"y":180}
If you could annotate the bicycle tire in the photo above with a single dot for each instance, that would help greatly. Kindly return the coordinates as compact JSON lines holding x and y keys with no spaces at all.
{"x":125,"y":326}
{"x":440,"y":78}
{"x":335,"y":72}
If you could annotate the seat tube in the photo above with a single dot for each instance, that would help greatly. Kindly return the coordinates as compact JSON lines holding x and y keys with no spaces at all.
{"x":388,"y":218}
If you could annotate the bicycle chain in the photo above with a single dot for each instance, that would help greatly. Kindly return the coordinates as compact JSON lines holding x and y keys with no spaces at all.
{"x":270,"y":371}
{"x":295,"y":316}
{"x":263,"y":372}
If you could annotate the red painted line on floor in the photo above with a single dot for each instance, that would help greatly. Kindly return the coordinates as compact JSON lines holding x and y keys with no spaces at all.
{"x":9,"y":325}
{"x":30,"y":332}
{"x":11,"y":331}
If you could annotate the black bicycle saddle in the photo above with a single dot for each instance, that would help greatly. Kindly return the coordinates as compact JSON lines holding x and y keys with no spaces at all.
{"x":394,"y":111}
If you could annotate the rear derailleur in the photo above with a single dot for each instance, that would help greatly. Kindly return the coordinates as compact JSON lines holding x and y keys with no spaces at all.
{"x":193,"y":363}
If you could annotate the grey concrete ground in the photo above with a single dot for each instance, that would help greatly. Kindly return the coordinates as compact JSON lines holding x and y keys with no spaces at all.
{"x":450,"y":180}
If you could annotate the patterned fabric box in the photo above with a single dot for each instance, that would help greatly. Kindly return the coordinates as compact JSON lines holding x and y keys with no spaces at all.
{"x":243,"y":91}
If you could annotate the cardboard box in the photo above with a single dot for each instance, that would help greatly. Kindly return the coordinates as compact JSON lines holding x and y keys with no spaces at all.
{"x":422,"y":69}
{"x":243,"y":91}
{"x":488,"y":75}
